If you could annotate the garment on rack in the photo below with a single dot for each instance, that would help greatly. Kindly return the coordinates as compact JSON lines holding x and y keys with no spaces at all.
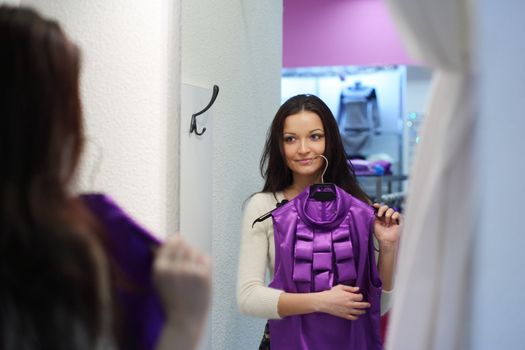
{"x":366,"y":167}
{"x":394,"y":200}
{"x":130,"y":249}
{"x":358,"y":118}
{"x":319,"y":244}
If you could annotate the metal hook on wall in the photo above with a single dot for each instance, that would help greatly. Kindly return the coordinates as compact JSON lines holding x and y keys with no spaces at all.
{"x":193,"y":124}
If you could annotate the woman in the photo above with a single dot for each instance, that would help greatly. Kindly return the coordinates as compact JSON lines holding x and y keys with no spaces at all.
{"x":304,"y":129}
{"x":63,"y":279}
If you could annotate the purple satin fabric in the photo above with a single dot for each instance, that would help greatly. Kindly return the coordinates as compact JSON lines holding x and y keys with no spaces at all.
{"x":317,"y":246}
{"x":130,"y":248}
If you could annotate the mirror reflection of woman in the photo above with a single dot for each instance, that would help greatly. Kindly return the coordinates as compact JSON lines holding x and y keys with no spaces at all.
{"x":303,"y":129}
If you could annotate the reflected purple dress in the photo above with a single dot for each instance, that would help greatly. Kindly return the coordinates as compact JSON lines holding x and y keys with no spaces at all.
{"x":319,"y":245}
{"x":130,"y":246}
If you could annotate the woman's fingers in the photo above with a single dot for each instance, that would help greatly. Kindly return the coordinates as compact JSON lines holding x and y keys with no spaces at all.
{"x":396,"y":217}
{"x":354,"y":313}
{"x":361,"y":305}
{"x":381,"y":209}
{"x":347,"y":302}
{"x":358,"y":312}
{"x":182,"y":257}
{"x":346,"y":288}
{"x":358,"y":297}
{"x":386,"y":214}
{"x":183,"y":279}
{"x":350,"y":317}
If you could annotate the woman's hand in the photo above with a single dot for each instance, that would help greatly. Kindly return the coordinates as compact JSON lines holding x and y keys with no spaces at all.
{"x":343,"y":301}
{"x":386,"y":226}
{"x":182,"y":276}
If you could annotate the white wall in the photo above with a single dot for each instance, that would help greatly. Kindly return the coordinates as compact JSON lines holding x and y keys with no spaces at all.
{"x":498,"y":317}
{"x":10,"y":2}
{"x":418,"y":85}
{"x":418,"y":88}
{"x":130,"y":89}
{"x":236,"y":45}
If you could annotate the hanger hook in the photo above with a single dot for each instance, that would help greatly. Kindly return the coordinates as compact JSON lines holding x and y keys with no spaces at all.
{"x":325,"y":167}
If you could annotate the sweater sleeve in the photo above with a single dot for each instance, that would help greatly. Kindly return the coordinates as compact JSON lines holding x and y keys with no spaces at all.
{"x":254,"y":298}
{"x":386,"y":295}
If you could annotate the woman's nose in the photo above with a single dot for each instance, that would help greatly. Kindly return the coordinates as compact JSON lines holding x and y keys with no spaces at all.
{"x":304,"y":147}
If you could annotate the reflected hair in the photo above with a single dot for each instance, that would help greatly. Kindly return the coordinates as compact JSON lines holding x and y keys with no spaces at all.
{"x":277,"y":176}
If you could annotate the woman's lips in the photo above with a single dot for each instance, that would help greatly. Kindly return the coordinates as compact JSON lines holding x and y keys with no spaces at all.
{"x":306,"y":161}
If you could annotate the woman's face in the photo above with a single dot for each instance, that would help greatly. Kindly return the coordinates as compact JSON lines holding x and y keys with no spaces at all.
{"x":303,"y":140}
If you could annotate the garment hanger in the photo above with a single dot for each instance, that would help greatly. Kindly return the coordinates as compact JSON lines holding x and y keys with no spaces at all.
{"x":323,"y":192}
{"x":268,"y":214}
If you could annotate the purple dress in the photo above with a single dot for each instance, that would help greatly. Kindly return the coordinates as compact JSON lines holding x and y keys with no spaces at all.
{"x":319,"y":244}
{"x":130,"y":248}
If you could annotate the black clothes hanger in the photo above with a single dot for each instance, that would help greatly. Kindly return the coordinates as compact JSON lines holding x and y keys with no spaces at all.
{"x":268,"y":214}
{"x":323,"y":192}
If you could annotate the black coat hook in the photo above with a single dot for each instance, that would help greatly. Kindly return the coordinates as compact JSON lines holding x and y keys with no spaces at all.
{"x":193,"y":124}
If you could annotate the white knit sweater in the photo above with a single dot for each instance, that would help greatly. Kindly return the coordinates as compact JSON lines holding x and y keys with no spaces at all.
{"x":257,"y":257}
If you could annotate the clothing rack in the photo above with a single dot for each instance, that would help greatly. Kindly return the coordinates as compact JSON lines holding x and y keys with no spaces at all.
{"x":377,"y":186}
{"x":394,"y":200}
{"x":390,"y":197}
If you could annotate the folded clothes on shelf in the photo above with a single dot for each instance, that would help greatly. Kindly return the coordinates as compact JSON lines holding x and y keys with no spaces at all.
{"x":365,"y":167}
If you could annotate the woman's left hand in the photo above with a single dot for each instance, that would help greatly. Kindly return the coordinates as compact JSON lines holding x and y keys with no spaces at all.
{"x":386,"y":225}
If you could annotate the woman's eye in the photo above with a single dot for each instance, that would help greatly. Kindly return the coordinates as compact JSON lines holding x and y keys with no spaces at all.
{"x":316,"y":137}
{"x":289,"y":139}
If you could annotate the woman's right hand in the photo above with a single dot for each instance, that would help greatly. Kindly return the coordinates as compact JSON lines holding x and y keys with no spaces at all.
{"x":182,"y":276}
{"x":343,"y":301}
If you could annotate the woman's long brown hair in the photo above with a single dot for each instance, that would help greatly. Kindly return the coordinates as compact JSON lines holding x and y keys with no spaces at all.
{"x":273,"y":166}
{"x":51,"y":258}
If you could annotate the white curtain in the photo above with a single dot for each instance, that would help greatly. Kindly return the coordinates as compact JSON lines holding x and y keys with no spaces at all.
{"x":433,"y":276}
